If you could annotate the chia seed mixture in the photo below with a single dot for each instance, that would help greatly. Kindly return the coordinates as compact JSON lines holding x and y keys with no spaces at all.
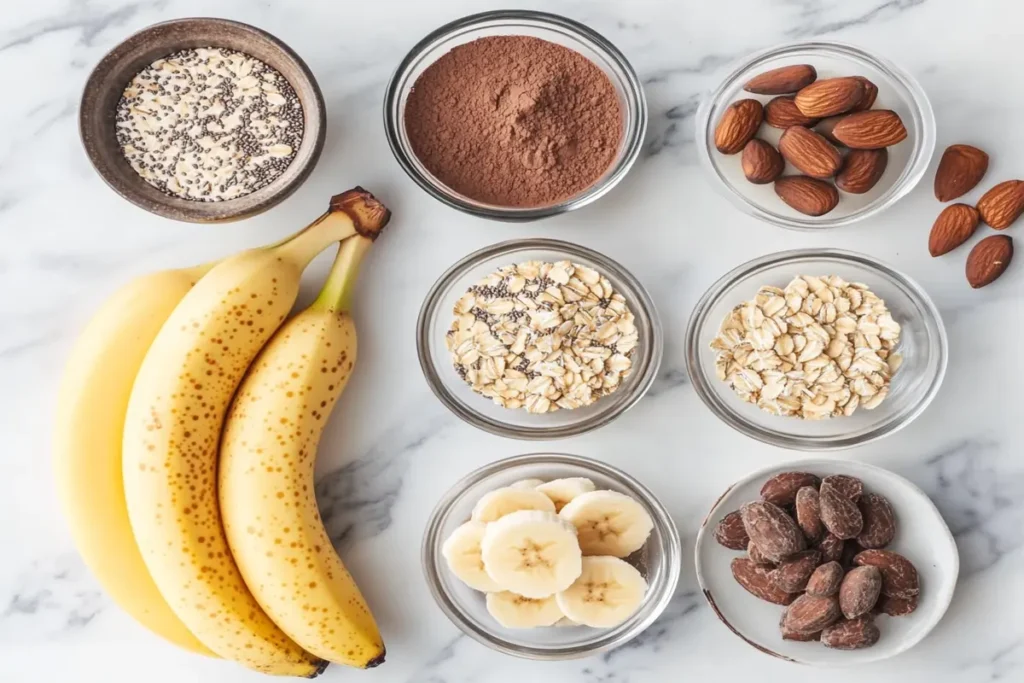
{"x":209,"y":124}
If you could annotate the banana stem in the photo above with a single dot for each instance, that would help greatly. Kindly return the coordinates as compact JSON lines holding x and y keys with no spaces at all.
{"x":336,"y":295}
{"x":355,"y":211}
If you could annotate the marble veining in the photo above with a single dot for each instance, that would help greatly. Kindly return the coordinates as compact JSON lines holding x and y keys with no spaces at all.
{"x":391,"y":449}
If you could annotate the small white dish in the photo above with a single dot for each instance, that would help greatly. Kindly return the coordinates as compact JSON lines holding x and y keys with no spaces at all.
{"x":921,"y":536}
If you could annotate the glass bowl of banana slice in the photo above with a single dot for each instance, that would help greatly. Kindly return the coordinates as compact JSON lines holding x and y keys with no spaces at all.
{"x":551,"y":556}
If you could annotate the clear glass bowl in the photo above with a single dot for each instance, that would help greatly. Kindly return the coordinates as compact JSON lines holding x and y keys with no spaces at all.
{"x":659,"y":560}
{"x":550,"y":27}
{"x":922,"y":343}
{"x":897,"y":90}
{"x":436,"y":317}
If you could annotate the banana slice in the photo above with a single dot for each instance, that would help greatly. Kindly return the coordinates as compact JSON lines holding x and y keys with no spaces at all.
{"x":608,"y":523}
{"x":561,"y":491}
{"x":462,"y":551}
{"x":531,"y":553}
{"x":607,"y":593}
{"x":515,"y":611}
{"x":526,"y":483}
{"x":497,"y":504}
{"x":564,"y":621}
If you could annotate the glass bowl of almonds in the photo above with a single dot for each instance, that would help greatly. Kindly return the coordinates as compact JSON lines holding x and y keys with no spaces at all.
{"x":538,"y":339}
{"x":816,"y":349}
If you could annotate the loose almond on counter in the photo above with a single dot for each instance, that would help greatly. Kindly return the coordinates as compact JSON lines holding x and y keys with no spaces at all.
{"x":785,"y":79}
{"x":862,"y":169}
{"x":738,"y":125}
{"x":830,"y":96}
{"x":809,"y":152}
{"x":761,"y":162}
{"x":953,"y":227}
{"x":988,"y":260}
{"x":1003,"y":204}
{"x":961,"y":168}
{"x":807,"y":195}
{"x":870,"y":129}
{"x":782,"y":112}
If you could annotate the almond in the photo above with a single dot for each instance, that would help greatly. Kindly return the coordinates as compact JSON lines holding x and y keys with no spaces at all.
{"x":859,"y":591}
{"x":899,"y":576}
{"x":772,"y":530}
{"x":829,"y":97}
{"x":1003,"y":204}
{"x":809,"y":196}
{"x":862,"y":168}
{"x":896,"y":607}
{"x":839,"y":514}
{"x":756,"y":556}
{"x":831,"y":548}
{"x":988,"y":259}
{"x":761,"y":163}
{"x":754,"y":578}
{"x":825,"y":580}
{"x":845,"y":485}
{"x":730,"y":532}
{"x":961,"y":168}
{"x":879,"y":521}
{"x":953,"y":227}
{"x":738,"y":125}
{"x":781,"y":489}
{"x":808,"y":513}
{"x":870,"y":94}
{"x":870,"y":129}
{"x":785,"y":79}
{"x":781,"y":112}
{"x":809,"y":152}
{"x":792,"y":574}
{"x":790,"y":634}
{"x":853,"y":634}
{"x":810,"y":613}
{"x":825,"y":128}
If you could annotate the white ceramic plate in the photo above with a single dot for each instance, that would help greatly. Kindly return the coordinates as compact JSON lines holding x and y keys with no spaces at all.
{"x":921,"y":535}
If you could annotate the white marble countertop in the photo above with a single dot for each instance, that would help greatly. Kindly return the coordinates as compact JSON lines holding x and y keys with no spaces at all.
{"x":69,"y":241}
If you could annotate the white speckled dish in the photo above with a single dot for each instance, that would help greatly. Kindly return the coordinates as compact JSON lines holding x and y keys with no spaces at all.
{"x":921,"y":535}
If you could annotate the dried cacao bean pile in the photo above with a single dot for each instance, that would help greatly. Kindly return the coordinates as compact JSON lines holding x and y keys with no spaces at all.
{"x":817,"y":547}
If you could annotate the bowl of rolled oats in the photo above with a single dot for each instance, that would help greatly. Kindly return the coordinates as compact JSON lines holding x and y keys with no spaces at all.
{"x":816,"y":349}
{"x":538,"y":339}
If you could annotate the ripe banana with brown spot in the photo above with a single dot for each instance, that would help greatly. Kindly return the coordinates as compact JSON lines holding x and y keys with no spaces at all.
{"x":87,"y":437}
{"x":172,"y":432}
{"x":266,"y":477}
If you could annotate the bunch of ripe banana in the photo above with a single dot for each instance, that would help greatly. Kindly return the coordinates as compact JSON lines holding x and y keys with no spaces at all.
{"x":186,"y":436}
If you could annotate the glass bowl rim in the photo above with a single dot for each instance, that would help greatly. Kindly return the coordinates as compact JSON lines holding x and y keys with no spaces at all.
{"x":646,"y":310}
{"x":658,"y":597}
{"x":632,"y":142}
{"x":917,"y":166}
{"x":727,"y":282}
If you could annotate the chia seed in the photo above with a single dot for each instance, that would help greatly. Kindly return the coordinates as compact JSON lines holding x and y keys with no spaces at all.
{"x":209,"y":124}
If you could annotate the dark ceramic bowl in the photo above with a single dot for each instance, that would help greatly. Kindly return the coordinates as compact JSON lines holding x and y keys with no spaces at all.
{"x":107,"y":82}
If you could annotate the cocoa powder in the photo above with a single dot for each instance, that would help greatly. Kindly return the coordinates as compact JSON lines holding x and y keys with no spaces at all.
{"x":514,"y":121}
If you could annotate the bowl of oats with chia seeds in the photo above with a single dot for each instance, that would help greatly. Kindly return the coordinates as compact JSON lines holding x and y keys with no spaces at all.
{"x":203,"y":120}
{"x":538,"y":339}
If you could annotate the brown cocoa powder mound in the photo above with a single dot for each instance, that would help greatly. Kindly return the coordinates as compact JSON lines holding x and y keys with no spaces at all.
{"x":514,"y":121}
